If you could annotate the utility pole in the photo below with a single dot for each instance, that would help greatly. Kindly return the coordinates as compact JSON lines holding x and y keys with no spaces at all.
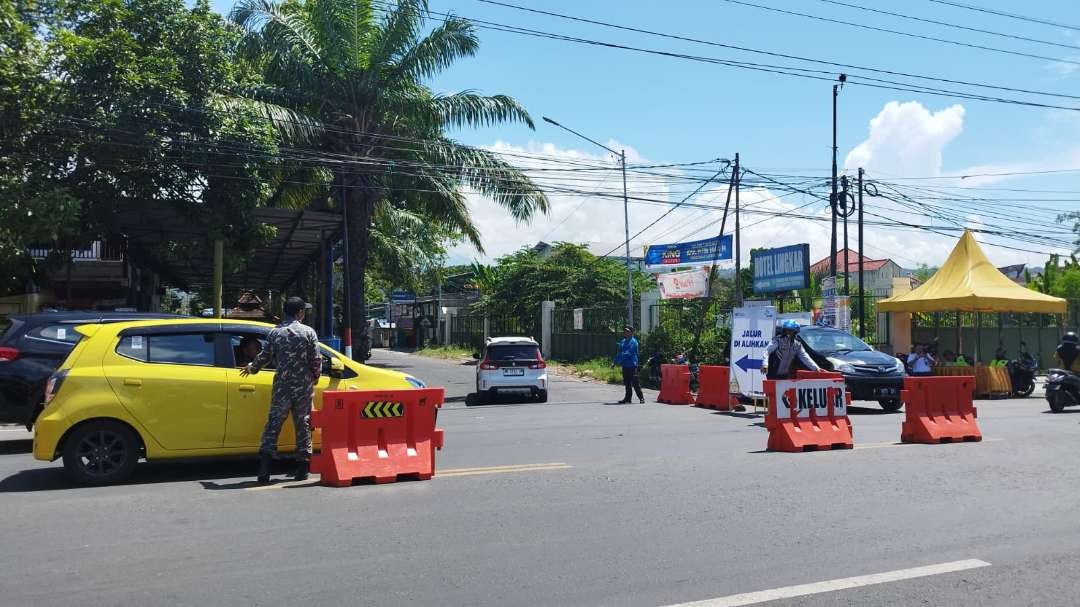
{"x":738,"y":238}
{"x":832,"y":198}
{"x":862,"y":291}
{"x":843,"y":203}
{"x":346,"y":305}
{"x":626,"y":226}
{"x":716,"y":256}
{"x":626,"y":217}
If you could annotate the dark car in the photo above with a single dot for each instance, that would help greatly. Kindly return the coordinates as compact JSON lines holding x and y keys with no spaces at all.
{"x":32,"y":346}
{"x":869,"y":374}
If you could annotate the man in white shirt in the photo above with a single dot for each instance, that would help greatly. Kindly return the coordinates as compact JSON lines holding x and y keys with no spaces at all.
{"x":920,"y":362}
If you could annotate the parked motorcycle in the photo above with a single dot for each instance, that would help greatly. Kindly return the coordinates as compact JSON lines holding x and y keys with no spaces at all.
{"x":1062,"y":389}
{"x":1022,"y":372}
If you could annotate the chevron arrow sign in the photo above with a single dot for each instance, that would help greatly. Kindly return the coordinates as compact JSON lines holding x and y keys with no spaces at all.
{"x":380,"y":409}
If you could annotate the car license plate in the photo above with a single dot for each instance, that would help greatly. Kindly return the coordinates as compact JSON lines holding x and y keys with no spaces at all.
{"x":513,"y":372}
{"x":885,"y":391}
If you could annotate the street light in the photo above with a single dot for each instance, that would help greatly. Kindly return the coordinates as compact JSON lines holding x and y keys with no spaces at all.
{"x":626,"y":217}
{"x":833,"y":197}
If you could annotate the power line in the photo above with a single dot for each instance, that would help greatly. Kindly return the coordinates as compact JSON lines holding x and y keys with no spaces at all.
{"x":786,"y":70}
{"x":1007,"y":15}
{"x":952,"y":25}
{"x":905,"y":34}
{"x":669,"y":212}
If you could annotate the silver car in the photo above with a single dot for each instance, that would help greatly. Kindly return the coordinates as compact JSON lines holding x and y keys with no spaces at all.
{"x":511,"y":364}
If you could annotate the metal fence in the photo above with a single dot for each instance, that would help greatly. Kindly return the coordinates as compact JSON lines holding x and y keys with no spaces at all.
{"x":585,"y":333}
{"x":468,"y":330}
{"x":982,"y":334}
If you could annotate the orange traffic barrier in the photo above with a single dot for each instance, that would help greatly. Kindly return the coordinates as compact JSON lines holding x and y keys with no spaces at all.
{"x":803,"y":374}
{"x":675,"y":385}
{"x":807,"y":415}
{"x":379,"y":435}
{"x":714,"y":389}
{"x":939,"y":410}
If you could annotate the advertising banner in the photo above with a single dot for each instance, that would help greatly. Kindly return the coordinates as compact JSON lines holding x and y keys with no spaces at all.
{"x":690,"y":284}
{"x":836,"y":313}
{"x":751,"y":331}
{"x":781,"y":269}
{"x":662,"y":257}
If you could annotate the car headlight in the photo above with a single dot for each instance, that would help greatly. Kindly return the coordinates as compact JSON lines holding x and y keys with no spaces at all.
{"x":899,"y":366}
{"x":416,"y":383}
{"x":840,"y":366}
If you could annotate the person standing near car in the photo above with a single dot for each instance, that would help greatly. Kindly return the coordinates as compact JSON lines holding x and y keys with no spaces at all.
{"x":293,"y":348}
{"x":627,"y":358}
{"x":782,"y":351}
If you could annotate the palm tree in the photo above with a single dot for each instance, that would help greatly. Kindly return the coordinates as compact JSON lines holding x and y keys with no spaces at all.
{"x":347,"y":77}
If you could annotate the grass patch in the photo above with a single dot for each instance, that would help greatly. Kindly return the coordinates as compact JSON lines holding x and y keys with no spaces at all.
{"x":446,"y":352}
{"x":598,"y":368}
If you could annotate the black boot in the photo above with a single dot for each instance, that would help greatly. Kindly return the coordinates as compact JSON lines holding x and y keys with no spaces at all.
{"x":264,"y":469}
{"x":301,"y":473}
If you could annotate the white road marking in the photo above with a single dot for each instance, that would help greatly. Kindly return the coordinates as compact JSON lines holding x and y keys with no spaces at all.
{"x":789,"y":592}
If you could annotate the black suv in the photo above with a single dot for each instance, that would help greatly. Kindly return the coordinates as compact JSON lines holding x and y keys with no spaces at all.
{"x":32,"y":346}
{"x":869,"y":374}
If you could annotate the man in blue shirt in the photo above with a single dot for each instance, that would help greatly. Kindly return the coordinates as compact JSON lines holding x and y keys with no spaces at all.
{"x":627,"y":358}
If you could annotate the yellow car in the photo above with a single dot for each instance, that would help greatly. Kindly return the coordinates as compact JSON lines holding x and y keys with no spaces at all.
{"x":164,"y":389}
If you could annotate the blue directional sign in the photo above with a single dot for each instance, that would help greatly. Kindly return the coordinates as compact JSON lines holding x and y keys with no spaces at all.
{"x":402,"y":297}
{"x":698,"y":253}
{"x":746,"y":363}
{"x":781,"y":269}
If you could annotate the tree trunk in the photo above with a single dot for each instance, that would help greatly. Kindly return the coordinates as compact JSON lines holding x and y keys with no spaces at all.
{"x":361,"y":203}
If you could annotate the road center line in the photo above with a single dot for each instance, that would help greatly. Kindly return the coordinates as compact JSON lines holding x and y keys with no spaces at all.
{"x":788,"y":592}
{"x":440,"y":474}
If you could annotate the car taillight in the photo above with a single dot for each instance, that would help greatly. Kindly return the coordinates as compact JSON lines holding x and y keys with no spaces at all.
{"x":8,"y":354}
{"x":487,"y":365}
{"x":53,"y":385}
{"x":539,"y":364}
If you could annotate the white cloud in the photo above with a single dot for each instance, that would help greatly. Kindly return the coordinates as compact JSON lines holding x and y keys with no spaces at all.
{"x":907,"y":139}
{"x":1064,"y":69}
{"x":904,"y":139}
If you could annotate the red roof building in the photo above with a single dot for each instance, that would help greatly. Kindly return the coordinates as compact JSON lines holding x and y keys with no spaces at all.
{"x":879,"y":272}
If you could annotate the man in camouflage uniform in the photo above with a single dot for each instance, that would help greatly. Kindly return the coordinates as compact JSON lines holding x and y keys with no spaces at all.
{"x":293,"y":348}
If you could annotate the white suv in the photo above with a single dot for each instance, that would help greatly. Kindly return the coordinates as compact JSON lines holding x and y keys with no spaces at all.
{"x":511,"y":364}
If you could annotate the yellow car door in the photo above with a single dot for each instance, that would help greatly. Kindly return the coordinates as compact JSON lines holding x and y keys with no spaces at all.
{"x":249,"y":398}
{"x":170,"y":384}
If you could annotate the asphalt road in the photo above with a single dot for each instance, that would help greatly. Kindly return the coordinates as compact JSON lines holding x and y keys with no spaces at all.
{"x":575,"y":502}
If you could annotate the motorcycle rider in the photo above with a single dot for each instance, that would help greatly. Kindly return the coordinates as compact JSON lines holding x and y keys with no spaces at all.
{"x":1068,"y":352}
{"x":782,"y":351}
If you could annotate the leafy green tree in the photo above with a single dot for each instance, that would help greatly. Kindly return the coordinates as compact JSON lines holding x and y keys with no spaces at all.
{"x":118,"y":111}
{"x":924,"y":272}
{"x":349,"y":78}
{"x":569,"y":275}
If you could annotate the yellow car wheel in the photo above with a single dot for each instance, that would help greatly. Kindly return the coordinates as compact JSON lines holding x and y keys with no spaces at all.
{"x":101,"y":452}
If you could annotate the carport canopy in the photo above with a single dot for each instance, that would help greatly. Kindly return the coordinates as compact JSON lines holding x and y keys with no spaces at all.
{"x":298,"y":242}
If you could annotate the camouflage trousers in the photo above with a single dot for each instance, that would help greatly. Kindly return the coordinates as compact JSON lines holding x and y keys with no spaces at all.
{"x":280,"y":408}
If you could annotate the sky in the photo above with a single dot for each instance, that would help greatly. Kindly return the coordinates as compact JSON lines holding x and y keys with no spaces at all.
{"x":664,"y":110}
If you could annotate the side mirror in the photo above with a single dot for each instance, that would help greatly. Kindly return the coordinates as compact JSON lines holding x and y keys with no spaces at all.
{"x":337,"y":368}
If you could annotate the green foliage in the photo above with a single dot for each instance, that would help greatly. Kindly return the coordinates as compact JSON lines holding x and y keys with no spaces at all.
{"x":924,"y":272}
{"x":110,"y":108}
{"x":569,"y":275}
{"x":349,"y":77}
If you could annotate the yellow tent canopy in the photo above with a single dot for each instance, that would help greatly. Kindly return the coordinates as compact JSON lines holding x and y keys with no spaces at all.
{"x":968,"y":282}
